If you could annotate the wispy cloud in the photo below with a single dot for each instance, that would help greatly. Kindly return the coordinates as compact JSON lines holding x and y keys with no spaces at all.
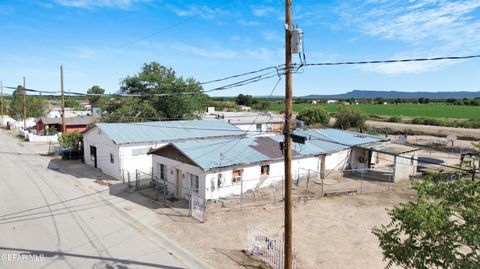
{"x":427,"y":28}
{"x":87,"y":4}
{"x":262,"y":11}
{"x":216,"y":53}
{"x":204,"y":11}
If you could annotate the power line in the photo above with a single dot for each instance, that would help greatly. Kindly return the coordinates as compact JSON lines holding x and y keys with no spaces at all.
{"x":393,"y":61}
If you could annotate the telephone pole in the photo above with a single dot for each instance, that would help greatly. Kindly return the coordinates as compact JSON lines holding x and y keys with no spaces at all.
{"x":63,"y":99}
{"x":24,"y":105}
{"x":288,"y":140}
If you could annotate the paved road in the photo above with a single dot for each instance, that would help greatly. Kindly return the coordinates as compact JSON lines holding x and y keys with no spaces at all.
{"x":47,"y":220}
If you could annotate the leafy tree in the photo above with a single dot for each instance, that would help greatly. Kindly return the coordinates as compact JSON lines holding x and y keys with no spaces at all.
{"x":51,"y":130}
{"x":245,"y":100}
{"x":35,"y":105}
{"x":73,"y":103}
{"x":263,"y":105}
{"x":348,"y":117}
{"x":314,"y":115}
{"x":129,"y":109}
{"x":93,"y":100}
{"x":71,"y":140}
{"x":441,"y":229}
{"x":184,"y":102}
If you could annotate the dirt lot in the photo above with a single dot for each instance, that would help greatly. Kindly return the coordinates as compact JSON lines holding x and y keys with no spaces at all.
{"x":328,"y":232}
{"x":427,"y":129}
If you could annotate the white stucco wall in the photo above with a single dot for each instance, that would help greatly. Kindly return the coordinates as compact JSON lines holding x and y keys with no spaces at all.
{"x":405,"y":166}
{"x":251,"y":178}
{"x":184,"y":180}
{"x":134,"y":156}
{"x":105,"y":147}
{"x":127,"y":157}
{"x":338,"y":160}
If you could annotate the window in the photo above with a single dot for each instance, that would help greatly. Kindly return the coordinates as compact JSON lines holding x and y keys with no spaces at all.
{"x":220,"y":180}
{"x":194,"y":183}
{"x":259,"y":127}
{"x":237,"y":175}
{"x":163,"y":171}
{"x":265,"y":170}
{"x":112,"y":160}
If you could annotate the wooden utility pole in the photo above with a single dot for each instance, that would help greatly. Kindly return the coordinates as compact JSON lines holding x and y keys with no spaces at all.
{"x":288,"y":140}
{"x":63,"y":99}
{"x":1,"y":89}
{"x":24,"y":105}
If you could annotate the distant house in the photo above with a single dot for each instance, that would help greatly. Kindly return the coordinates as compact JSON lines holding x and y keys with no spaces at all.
{"x":332,"y":101}
{"x":214,"y":169}
{"x":79,"y":123}
{"x":261,"y":122}
{"x":120,"y":149}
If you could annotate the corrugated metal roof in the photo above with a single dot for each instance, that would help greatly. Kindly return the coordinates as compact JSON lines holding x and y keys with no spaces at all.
{"x":78,"y":120}
{"x":168,"y":131}
{"x":340,"y":136}
{"x":210,"y":154}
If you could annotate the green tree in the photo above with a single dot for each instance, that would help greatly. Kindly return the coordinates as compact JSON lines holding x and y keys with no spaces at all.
{"x":129,"y":109}
{"x":245,"y":100}
{"x":440,"y":229}
{"x":314,"y":115}
{"x":73,"y":103}
{"x":348,"y":117}
{"x":35,"y":105}
{"x":93,"y":99}
{"x":183,"y":101}
{"x":263,"y":105}
{"x":71,"y":140}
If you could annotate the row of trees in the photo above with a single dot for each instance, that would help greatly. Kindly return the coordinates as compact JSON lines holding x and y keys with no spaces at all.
{"x":347,"y":117}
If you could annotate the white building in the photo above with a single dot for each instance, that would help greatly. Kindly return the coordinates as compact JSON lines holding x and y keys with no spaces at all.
{"x":261,"y":122}
{"x":119,"y":149}
{"x":220,"y":168}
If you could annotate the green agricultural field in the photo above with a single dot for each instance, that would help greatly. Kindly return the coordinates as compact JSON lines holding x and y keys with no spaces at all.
{"x":407,"y":110}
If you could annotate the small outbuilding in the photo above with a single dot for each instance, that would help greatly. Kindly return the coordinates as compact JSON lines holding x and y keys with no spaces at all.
{"x":78,"y":123}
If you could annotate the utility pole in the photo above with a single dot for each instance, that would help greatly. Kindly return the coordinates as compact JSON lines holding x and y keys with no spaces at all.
{"x":24,"y":105}
{"x":1,"y":89}
{"x":288,"y":140}
{"x":63,"y":99}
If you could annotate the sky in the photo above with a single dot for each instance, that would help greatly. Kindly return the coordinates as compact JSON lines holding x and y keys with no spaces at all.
{"x":100,"y":42}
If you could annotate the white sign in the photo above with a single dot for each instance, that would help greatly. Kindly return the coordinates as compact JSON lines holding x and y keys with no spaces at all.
{"x":451,"y":137}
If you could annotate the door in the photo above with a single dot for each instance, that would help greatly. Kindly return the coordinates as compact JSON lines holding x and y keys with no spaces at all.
{"x":179,"y":183}
{"x":93,"y":155}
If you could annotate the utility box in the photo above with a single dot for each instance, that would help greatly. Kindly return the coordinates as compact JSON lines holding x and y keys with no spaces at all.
{"x":297,"y":40}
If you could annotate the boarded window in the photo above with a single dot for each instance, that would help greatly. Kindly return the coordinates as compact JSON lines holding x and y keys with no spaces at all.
{"x":265,"y":170}
{"x":237,"y":175}
{"x":259,"y":127}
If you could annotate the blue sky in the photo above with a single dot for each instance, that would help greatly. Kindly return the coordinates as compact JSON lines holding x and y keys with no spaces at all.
{"x":100,"y":42}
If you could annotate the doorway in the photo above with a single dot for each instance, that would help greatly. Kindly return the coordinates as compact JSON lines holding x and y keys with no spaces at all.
{"x":93,"y":155}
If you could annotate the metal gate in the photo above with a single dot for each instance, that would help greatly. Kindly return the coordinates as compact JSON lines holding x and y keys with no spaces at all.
{"x":266,"y":247}
{"x":197,"y":208}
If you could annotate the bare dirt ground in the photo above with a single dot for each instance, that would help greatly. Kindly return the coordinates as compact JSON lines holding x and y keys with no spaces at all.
{"x":332,"y":232}
{"x":427,"y":129}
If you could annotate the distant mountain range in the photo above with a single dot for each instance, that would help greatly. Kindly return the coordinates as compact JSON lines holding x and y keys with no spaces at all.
{"x":397,"y":94}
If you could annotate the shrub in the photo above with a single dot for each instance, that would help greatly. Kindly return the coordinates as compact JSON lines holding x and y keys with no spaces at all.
{"x":314,"y":115}
{"x":395,"y":119}
{"x":348,"y":117}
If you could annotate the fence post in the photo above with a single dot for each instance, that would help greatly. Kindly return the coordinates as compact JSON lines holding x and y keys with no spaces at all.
{"x":241,"y":193}
{"x":123,"y":176}
{"x":156,"y":189}
{"x":322,"y":186}
{"x":361,"y":182}
{"x":190,"y":200}
{"x":274,"y":193}
{"x":308,"y":177}
{"x":129,"y":181}
{"x":164,"y":190}
{"x":136,"y":179}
